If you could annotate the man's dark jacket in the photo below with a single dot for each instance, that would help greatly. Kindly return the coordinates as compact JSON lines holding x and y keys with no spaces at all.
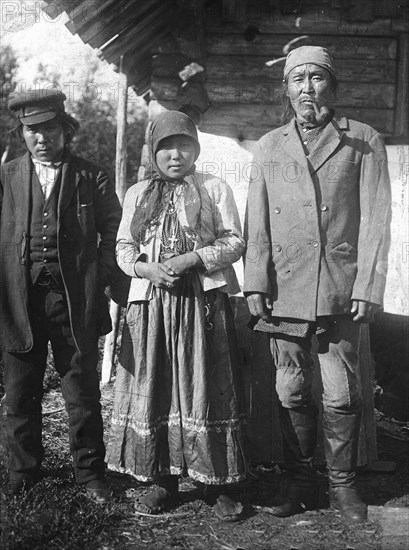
{"x":88,"y":217}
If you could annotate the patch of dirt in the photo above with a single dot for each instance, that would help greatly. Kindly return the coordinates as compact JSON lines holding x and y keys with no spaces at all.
{"x":57,"y":515}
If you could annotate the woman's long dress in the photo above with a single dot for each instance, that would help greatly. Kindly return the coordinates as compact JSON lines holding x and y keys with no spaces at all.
{"x":176,"y":407}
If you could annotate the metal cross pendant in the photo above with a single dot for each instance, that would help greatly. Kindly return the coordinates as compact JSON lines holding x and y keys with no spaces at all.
{"x":172,"y":241}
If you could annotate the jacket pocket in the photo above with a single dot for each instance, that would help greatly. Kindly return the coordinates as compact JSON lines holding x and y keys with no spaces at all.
{"x":343,"y":250}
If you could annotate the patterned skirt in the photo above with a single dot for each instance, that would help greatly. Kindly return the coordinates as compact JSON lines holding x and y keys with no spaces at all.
{"x":177,"y":406}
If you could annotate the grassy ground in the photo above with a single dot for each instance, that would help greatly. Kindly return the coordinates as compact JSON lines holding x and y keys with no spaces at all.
{"x":56,"y":515}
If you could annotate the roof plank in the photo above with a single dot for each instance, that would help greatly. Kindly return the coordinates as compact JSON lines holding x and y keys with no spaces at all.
{"x":139,"y":35}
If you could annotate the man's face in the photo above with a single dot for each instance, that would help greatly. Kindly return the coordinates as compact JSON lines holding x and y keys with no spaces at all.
{"x":309,"y":85}
{"x":45,"y":141}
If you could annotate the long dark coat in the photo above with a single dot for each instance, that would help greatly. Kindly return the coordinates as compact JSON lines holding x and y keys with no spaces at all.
{"x":317,"y":227}
{"x":88,"y":217}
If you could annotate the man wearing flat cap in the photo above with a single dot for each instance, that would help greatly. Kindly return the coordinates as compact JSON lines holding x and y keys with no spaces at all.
{"x":59,"y":217}
{"x":317,"y":230}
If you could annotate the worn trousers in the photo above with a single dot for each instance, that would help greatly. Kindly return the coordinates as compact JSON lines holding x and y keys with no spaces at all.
{"x":338,"y":357}
{"x":23,"y":381}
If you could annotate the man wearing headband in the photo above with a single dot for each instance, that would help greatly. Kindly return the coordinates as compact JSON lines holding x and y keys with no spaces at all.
{"x":59,"y":217}
{"x":317,"y":230}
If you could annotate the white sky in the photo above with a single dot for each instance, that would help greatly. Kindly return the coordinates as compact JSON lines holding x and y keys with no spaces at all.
{"x":36,"y":39}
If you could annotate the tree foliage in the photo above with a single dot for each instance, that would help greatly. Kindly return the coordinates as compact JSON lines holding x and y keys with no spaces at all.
{"x":10,"y":146}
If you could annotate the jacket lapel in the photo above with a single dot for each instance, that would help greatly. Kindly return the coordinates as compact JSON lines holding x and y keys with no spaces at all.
{"x":70,"y":178}
{"x":329,"y":141}
{"x":291,"y":144}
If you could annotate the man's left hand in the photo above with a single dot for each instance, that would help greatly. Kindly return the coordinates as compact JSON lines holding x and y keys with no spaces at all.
{"x":363,"y":312}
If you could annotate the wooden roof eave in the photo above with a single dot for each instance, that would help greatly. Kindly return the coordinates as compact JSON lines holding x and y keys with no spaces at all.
{"x":110,"y":22}
{"x":134,"y":37}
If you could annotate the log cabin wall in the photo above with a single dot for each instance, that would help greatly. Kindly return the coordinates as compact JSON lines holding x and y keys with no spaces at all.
{"x":240,"y":100}
{"x":368,"y":40}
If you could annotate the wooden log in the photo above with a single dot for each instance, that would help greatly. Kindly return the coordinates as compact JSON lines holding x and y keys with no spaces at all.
{"x":251,"y":121}
{"x":402,"y":89}
{"x":243,"y":67}
{"x":400,"y":25}
{"x":257,"y":91}
{"x":120,"y":178}
{"x":350,"y":95}
{"x":361,"y":11}
{"x":306,"y":24}
{"x":388,"y":8}
{"x":342,"y":47}
{"x":240,"y":120}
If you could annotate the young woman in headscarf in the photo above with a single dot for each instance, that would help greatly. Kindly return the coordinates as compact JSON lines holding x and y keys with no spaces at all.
{"x":176,"y":408}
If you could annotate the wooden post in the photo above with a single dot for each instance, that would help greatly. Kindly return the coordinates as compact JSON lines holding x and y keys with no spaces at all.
{"x":402,"y":89}
{"x":120,"y":178}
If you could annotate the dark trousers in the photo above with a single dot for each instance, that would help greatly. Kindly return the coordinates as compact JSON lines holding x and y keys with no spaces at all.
{"x":338,"y":355}
{"x":23,"y":380}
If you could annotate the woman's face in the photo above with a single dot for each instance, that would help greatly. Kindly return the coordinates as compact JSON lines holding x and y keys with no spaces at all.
{"x":176,"y":155}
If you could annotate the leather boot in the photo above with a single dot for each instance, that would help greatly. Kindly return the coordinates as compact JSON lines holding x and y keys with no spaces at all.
{"x":345,"y":498}
{"x":341,"y":440}
{"x":170,"y":483}
{"x":299,"y":428}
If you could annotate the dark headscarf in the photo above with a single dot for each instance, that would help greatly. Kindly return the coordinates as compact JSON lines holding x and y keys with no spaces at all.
{"x":153,"y":203}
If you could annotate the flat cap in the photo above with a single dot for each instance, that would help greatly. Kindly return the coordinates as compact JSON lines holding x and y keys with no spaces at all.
{"x":309,"y":54}
{"x":36,"y":106}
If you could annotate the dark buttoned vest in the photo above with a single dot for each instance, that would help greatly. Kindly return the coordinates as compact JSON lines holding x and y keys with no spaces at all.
{"x":43,"y":229}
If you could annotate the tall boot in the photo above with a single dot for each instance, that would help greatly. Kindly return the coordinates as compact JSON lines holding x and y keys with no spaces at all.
{"x":299,"y":429}
{"x":341,"y":440}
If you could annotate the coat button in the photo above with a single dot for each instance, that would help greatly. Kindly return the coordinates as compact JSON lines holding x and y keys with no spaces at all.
{"x":279,"y":247}
{"x":323,"y":207}
{"x":277,"y":210}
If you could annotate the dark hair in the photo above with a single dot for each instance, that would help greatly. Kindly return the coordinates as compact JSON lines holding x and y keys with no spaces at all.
{"x":70,"y":126}
{"x":288,"y":111}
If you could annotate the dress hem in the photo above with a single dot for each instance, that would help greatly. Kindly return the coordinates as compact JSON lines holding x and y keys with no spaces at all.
{"x":196,"y":476}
